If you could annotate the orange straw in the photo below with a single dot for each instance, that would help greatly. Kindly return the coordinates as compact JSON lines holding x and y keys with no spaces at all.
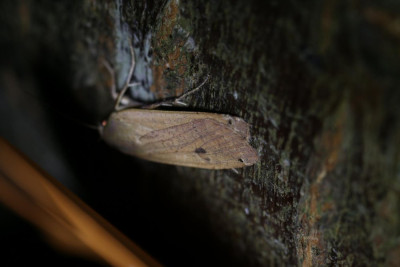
{"x":50,"y":206}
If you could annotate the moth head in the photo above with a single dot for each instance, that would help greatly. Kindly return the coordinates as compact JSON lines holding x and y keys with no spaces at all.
{"x":101,"y":127}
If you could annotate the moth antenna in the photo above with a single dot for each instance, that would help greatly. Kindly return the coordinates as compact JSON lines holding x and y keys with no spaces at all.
{"x":113,"y":89}
{"x":127,"y":84}
{"x":88,"y":125}
{"x":119,"y":96}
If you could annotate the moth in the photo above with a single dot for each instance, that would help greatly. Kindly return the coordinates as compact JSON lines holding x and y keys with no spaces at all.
{"x":193,"y":139}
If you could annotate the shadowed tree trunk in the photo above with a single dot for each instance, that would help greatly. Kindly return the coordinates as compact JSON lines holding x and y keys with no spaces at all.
{"x":317,"y":81}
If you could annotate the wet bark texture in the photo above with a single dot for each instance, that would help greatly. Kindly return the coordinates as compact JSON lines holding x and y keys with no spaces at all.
{"x":317,"y":81}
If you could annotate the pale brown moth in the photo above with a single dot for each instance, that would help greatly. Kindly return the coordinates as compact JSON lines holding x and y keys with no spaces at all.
{"x":193,"y":139}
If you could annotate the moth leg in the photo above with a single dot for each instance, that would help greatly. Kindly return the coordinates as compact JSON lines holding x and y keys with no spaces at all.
{"x":235,"y":170}
{"x":178,"y":101}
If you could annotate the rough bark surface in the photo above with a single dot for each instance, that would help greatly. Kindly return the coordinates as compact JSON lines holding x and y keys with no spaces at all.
{"x":317,"y":81}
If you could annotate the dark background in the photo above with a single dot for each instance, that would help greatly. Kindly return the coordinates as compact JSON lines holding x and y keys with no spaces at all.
{"x":317,"y":81}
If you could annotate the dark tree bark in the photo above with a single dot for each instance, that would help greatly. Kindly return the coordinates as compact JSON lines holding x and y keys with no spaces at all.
{"x":317,"y":81}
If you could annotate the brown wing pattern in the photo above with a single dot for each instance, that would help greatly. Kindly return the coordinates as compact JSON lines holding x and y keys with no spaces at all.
{"x":199,"y":143}
{"x":204,"y":140}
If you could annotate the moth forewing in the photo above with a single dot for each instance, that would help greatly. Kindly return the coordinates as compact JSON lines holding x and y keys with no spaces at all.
{"x":194,"y":139}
